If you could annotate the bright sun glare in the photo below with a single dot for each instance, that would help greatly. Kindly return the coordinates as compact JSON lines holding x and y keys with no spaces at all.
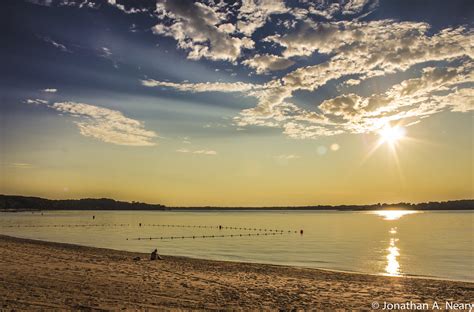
{"x":391,"y":135}
{"x":391,"y":215}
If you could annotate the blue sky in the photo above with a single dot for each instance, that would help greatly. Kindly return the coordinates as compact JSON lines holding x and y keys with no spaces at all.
{"x":210,"y":79}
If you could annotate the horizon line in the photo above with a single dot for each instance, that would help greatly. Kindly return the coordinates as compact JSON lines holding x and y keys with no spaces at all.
{"x":246,"y":207}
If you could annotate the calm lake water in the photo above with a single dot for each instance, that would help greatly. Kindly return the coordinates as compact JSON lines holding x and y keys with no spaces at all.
{"x":436,"y":244}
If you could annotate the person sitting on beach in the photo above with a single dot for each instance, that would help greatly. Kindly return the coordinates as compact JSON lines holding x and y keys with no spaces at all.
{"x":155,"y":256}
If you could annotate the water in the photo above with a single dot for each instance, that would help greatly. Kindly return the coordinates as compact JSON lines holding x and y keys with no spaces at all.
{"x":435,"y":244}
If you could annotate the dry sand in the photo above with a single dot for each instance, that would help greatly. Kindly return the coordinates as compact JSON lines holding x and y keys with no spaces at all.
{"x":37,"y":275}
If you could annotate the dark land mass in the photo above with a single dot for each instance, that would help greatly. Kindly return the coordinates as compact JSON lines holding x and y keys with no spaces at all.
{"x":21,"y":203}
{"x":16,"y":203}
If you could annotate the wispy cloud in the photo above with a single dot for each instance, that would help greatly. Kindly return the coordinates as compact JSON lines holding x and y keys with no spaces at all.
{"x":287,"y":157}
{"x":266,"y":63}
{"x":36,"y":101}
{"x":122,"y":8}
{"x":105,"y":124}
{"x":41,"y":2}
{"x":200,"y":151}
{"x":57,"y":45}
{"x":50,"y":90}
{"x":69,"y":3}
{"x":18,"y":165}
{"x":203,"y":87}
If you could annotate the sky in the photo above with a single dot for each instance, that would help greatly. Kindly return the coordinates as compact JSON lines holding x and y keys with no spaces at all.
{"x":247,"y":103}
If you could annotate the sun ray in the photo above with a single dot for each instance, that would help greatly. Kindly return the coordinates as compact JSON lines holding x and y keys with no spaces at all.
{"x":390,"y":136}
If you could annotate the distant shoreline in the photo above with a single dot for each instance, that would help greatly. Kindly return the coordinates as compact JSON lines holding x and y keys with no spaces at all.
{"x":16,"y":203}
{"x":232,"y":210}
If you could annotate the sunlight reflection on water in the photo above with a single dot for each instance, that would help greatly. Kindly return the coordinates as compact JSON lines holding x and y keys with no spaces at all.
{"x":393,"y":266}
{"x":391,"y":215}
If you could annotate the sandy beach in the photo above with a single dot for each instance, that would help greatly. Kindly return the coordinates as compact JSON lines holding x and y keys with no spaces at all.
{"x":38,"y":275}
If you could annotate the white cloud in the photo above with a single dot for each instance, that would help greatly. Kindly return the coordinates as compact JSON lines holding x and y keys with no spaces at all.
{"x":50,"y":90}
{"x":200,"y":29}
{"x":183,"y":150}
{"x":352,"y":82}
{"x":36,"y":101}
{"x":107,"y":125}
{"x":199,"y":152}
{"x":354,"y":9}
{"x":253,"y":14}
{"x":461,"y":100}
{"x":309,"y":37}
{"x":205,"y":152}
{"x":287,"y":157}
{"x":41,"y":2}
{"x":18,"y":165}
{"x":435,"y":90}
{"x":203,"y":87}
{"x":267,"y":62}
{"x":58,"y":45}
{"x":122,"y":8}
{"x":106,"y":52}
{"x":227,"y":28}
{"x":79,"y":4}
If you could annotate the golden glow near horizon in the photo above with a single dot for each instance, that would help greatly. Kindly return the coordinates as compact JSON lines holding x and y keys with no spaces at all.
{"x":245,"y":172}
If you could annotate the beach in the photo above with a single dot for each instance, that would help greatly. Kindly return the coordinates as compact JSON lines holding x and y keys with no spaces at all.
{"x":37,"y":275}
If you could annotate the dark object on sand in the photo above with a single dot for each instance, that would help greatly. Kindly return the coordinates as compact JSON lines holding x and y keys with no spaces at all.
{"x":136,"y":259}
{"x":155,"y":256}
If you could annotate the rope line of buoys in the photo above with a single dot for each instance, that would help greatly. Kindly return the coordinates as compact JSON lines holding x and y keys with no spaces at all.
{"x":209,"y":236}
{"x":63,"y":225}
{"x":220,"y":227}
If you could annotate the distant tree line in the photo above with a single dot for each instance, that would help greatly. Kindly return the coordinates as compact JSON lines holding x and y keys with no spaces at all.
{"x":8,"y":202}
{"x":15,"y":203}
{"x":464,"y":204}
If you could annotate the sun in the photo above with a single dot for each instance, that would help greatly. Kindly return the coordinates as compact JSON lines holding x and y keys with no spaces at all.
{"x":391,"y":135}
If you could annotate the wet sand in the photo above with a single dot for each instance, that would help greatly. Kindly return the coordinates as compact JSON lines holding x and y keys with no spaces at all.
{"x":36,"y":275}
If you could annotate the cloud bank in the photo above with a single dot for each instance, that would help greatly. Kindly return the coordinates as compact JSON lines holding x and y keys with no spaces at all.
{"x":107,"y":125}
{"x":104,"y":124}
{"x":357,"y":51}
{"x":336,"y":44}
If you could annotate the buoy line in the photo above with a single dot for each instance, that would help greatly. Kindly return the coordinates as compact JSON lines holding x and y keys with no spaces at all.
{"x":63,"y":225}
{"x":209,"y":236}
{"x":220,"y":227}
